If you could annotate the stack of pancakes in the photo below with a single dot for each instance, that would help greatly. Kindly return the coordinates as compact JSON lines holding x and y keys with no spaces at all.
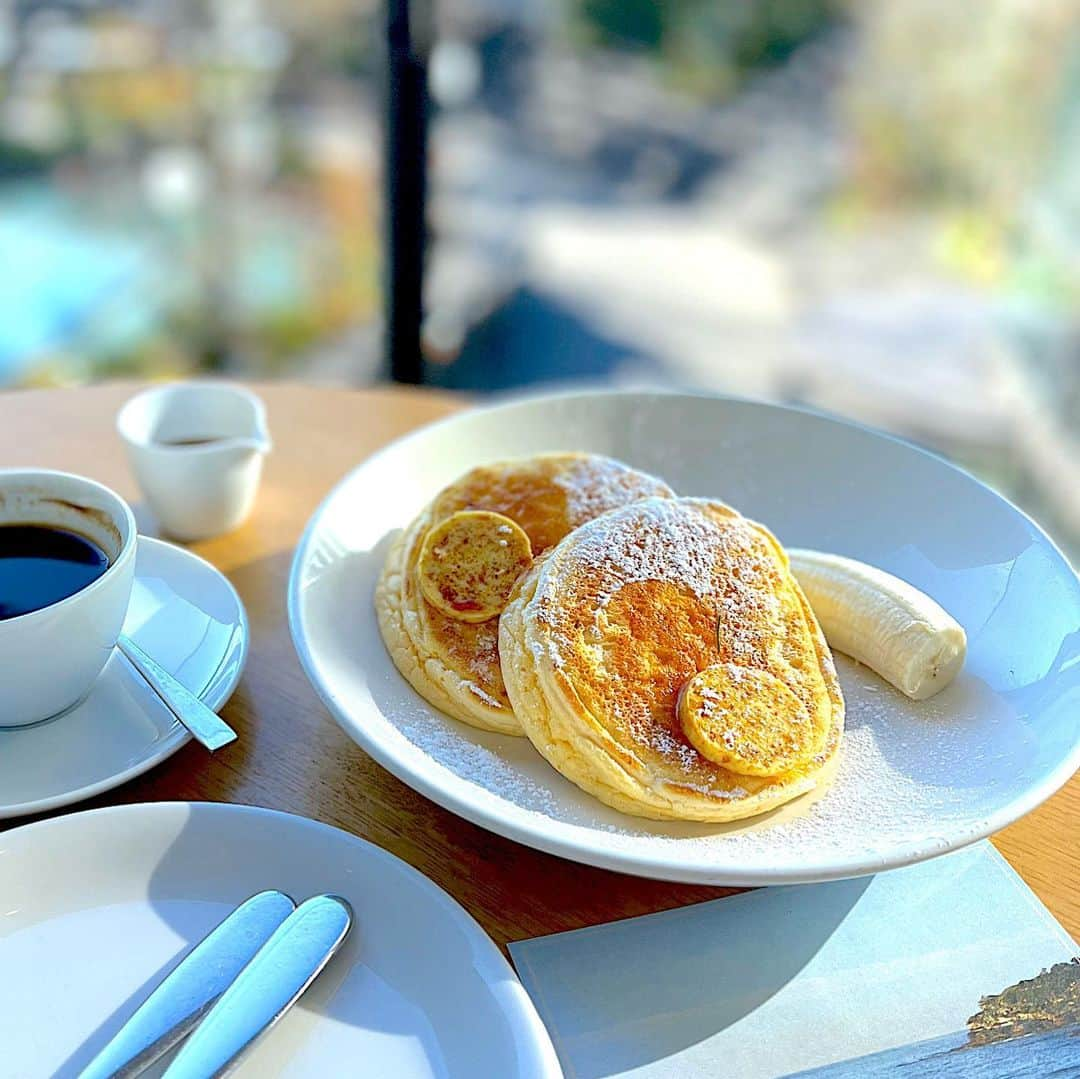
{"x":656,"y":650}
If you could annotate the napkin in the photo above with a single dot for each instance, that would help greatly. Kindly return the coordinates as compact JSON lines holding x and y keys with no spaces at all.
{"x":847,"y":978}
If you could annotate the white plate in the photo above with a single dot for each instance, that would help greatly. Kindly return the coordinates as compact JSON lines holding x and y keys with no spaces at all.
{"x":916,"y":779}
{"x":186,"y":615}
{"x":98,"y":905}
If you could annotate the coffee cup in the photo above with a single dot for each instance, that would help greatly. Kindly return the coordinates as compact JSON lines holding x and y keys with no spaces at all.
{"x":51,"y":654}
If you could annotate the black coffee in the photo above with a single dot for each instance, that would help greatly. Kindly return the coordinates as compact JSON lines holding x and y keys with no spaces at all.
{"x":40,"y":565}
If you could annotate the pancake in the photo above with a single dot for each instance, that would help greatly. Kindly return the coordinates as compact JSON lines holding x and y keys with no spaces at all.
{"x":601,"y":635}
{"x":453,"y":663}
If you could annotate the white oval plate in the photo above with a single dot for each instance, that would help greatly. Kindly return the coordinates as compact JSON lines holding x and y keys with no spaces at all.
{"x":185,"y":614}
{"x":99,"y":905}
{"x":915,"y":780}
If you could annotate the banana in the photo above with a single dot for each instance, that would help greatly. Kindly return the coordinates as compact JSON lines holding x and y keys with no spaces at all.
{"x":469,"y":563}
{"x":882,"y":621}
{"x":745,"y":720}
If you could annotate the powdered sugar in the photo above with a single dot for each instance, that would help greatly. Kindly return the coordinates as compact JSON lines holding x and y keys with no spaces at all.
{"x":905,"y":777}
{"x":672,"y":747}
{"x":709,"y":702}
{"x":481,"y":660}
{"x":595,"y":484}
{"x":654,"y":540}
{"x":491,"y":762}
{"x":482,"y":696}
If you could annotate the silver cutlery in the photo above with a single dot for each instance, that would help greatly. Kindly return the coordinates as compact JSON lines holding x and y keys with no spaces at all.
{"x":204,"y":724}
{"x":266,"y":988}
{"x":189,"y":991}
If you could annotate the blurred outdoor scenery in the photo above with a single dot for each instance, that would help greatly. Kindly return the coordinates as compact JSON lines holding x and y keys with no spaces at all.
{"x":870,"y":207}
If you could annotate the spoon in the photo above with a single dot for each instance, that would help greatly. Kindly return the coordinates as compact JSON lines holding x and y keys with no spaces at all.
{"x":206,"y":725}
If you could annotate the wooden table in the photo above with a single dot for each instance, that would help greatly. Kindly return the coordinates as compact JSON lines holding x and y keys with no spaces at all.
{"x":292,"y":756}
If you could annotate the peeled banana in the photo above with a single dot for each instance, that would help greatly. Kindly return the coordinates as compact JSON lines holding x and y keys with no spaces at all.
{"x":746,"y":720}
{"x":469,"y":563}
{"x":882,"y":621}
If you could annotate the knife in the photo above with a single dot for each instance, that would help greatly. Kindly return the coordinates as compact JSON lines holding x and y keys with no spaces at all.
{"x":266,"y":988}
{"x":190,"y":989}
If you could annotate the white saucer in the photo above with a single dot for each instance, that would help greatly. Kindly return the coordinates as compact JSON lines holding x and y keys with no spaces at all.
{"x":190,"y":619}
{"x":97,"y":906}
{"x":915,"y":779}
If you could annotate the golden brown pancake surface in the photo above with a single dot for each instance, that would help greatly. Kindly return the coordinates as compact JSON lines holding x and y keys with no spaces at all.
{"x":601,"y":635}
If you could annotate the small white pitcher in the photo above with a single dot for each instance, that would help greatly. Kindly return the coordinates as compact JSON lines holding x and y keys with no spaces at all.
{"x":197,"y":450}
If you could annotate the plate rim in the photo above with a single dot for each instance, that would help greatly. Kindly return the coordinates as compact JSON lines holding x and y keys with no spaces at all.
{"x":655,"y":866}
{"x":515,"y":1003}
{"x":179,"y":736}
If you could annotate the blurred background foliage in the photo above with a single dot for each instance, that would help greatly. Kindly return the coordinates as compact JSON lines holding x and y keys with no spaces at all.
{"x":707,"y":48}
{"x":872,"y":207}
